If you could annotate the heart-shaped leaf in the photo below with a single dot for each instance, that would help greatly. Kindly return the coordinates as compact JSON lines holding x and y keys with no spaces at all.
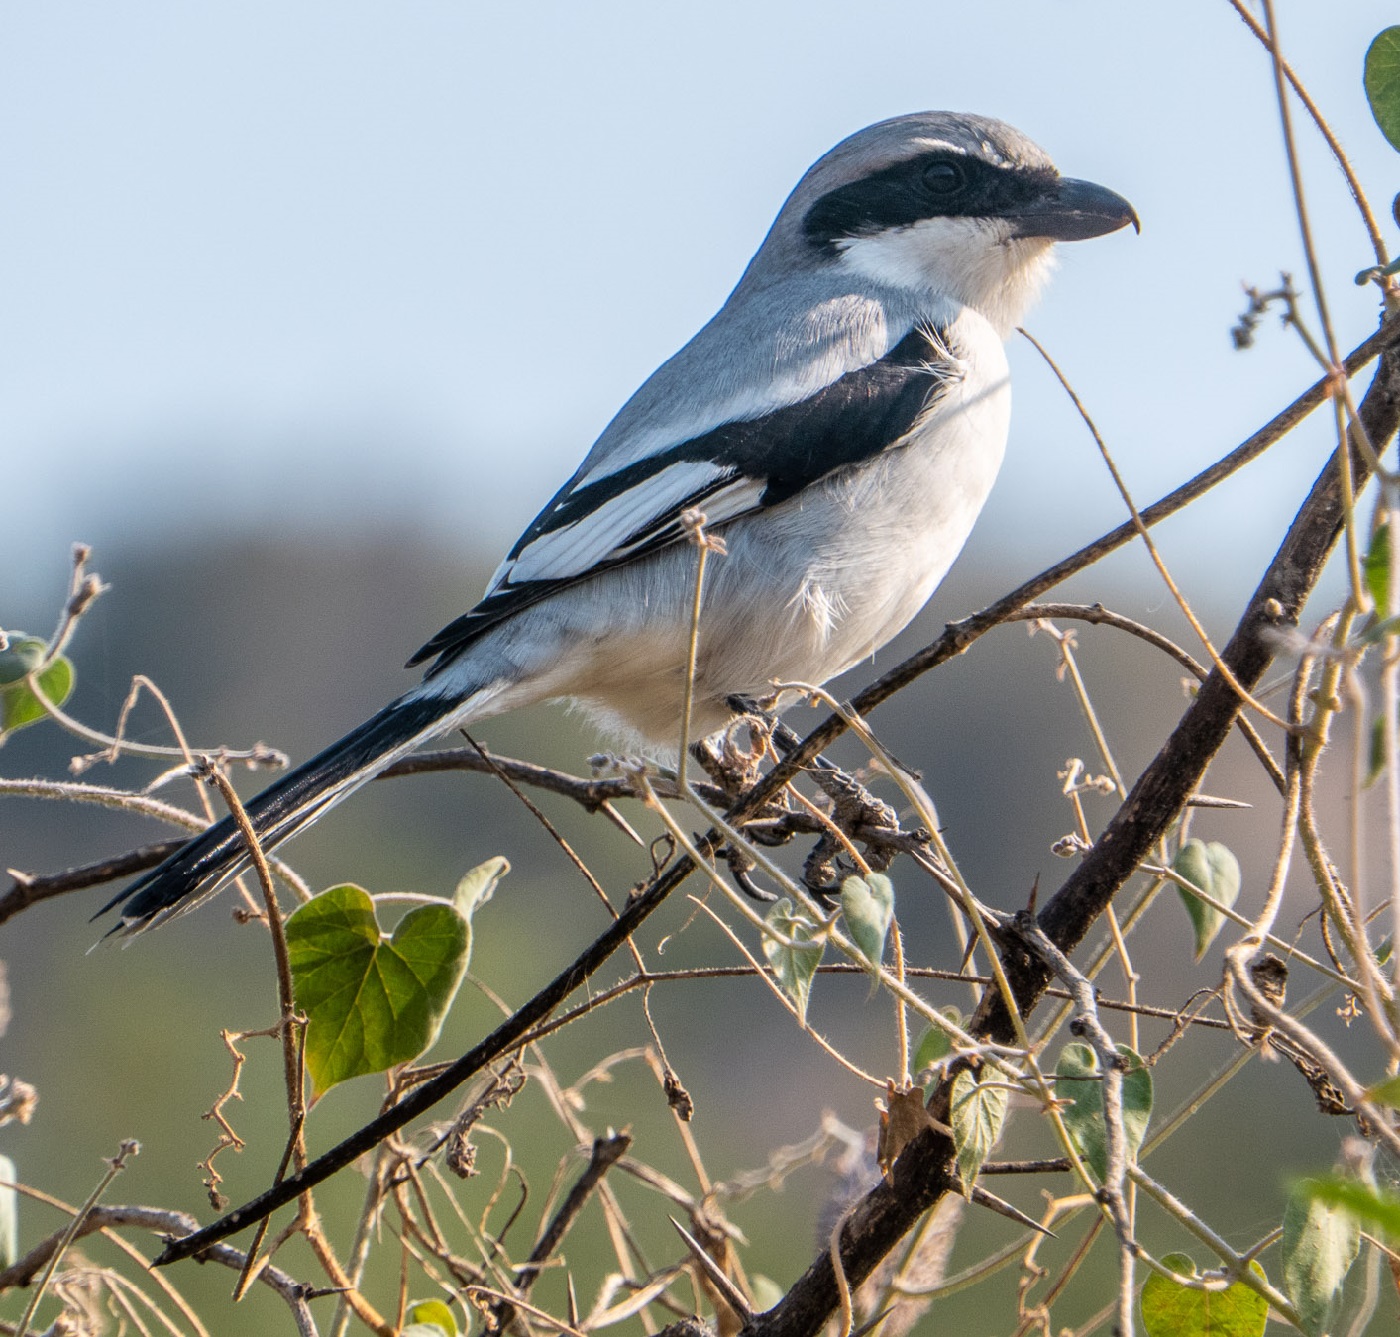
{"x":976,"y":1113}
{"x":1079,"y":1080}
{"x":796,"y":964}
{"x":18,"y":703}
{"x":1170,"y":1309}
{"x":1216,"y":871}
{"x":1382,"y":79}
{"x":371,"y":1002}
{"x":868,"y":906}
{"x":1320,"y":1243}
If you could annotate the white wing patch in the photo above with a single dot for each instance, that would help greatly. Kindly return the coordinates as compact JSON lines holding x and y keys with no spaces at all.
{"x":629,"y":521}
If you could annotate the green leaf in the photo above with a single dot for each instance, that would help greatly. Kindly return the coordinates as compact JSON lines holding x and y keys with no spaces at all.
{"x":868,"y":905}
{"x":1375,"y":566}
{"x":793,"y":965}
{"x":936,"y":1043}
{"x":1368,"y":1205}
{"x":1081,"y":1082}
{"x":1172,"y":1310}
{"x":1376,"y":571}
{"x":1216,"y":872}
{"x":428,"y":1318}
{"x":1377,"y":630}
{"x":1382,"y":79}
{"x":20,"y":658}
{"x":1386,"y":1092}
{"x":1375,"y":762}
{"x":976,"y":1113}
{"x":370,"y":1002}
{"x":9,"y":1213}
{"x":18,"y":703}
{"x":474,"y":890}
{"x":1320,"y":1243}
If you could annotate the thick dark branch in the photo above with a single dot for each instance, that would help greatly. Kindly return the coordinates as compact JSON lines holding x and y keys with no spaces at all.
{"x":924,"y":1172}
{"x":1274,"y":608}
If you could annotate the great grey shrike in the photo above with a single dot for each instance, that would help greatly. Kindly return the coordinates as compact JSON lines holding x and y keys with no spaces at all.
{"x":839,"y":423}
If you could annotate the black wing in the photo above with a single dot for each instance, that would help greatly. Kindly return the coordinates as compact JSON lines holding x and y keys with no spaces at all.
{"x":732,"y":470}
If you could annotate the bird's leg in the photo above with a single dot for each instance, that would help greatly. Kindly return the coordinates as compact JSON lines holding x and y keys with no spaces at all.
{"x":852,"y":807}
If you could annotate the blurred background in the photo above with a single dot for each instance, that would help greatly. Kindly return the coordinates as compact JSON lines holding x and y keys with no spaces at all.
{"x":305,"y":311}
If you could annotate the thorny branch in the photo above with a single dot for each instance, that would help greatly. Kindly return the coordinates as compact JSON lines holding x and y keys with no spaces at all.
{"x":607,"y":1151}
{"x":925,"y":1170}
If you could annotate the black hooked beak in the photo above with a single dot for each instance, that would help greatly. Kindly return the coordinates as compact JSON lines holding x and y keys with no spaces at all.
{"x":1070,"y":210}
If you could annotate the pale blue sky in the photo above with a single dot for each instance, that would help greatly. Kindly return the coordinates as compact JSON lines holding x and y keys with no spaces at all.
{"x":327,"y":264}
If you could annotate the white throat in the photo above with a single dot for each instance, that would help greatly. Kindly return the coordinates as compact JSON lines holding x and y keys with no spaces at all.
{"x":972,"y":260}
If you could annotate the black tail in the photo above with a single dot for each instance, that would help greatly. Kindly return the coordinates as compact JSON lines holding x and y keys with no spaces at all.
{"x":204,"y":864}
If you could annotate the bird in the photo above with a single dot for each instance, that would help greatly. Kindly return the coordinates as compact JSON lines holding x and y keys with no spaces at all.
{"x":838,"y":424}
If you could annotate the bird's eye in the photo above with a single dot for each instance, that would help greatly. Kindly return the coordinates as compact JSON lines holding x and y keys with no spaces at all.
{"x":944,"y":178}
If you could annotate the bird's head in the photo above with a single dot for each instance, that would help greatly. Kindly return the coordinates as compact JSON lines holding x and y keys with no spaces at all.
{"x":963,"y":206}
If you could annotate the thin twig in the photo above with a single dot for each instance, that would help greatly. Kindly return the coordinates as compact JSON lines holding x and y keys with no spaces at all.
{"x":286,"y":997}
{"x":1097,"y":615}
{"x":607,"y":1151}
{"x":1181,"y":602}
{"x":1236,"y":1262}
{"x":1368,"y":217}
